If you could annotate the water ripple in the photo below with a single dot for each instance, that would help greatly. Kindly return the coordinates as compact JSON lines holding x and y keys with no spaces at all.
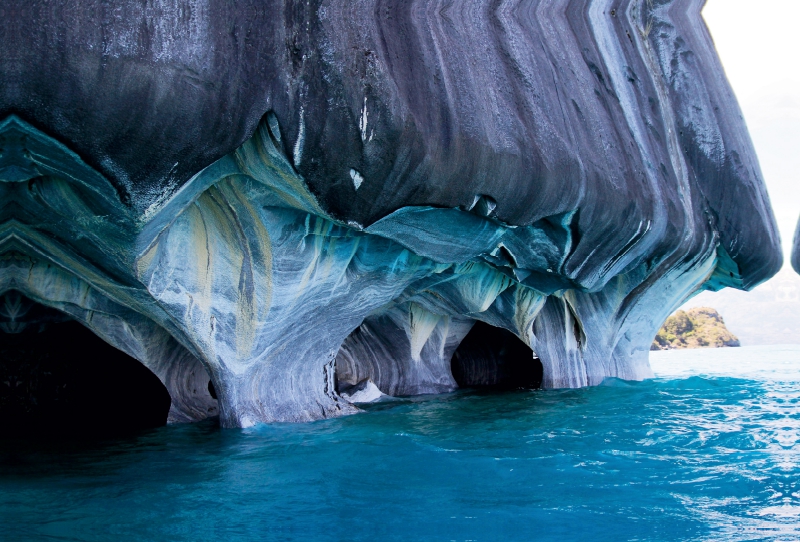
{"x":710,"y":450}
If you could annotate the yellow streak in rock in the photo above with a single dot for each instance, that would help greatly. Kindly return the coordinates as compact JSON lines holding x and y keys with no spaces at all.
{"x":224,"y":257}
{"x":145,"y":261}
{"x":421,"y":326}
{"x":249,"y":316}
{"x":264,"y":242}
{"x":203,"y":262}
{"x":528,"y":304}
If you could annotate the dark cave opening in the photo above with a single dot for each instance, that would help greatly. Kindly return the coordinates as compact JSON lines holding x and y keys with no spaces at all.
{"x":60,"y":379}
{"x":495,"y":358}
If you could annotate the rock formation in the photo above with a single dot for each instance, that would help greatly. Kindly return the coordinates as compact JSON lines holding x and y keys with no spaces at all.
{"x":292,"y":198}
{"x":700,"y":327}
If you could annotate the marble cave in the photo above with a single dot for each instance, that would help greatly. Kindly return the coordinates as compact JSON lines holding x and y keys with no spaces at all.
{"x":270,"y":211}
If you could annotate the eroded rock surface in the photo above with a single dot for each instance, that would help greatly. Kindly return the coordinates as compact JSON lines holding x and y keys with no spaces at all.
{"x":283,"y":197}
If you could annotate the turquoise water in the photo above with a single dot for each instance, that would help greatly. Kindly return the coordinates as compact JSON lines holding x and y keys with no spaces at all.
{"x":709,"y":450}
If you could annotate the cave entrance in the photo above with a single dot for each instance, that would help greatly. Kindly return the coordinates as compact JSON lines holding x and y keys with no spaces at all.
{"x":59,"y":378}
{"x":494,"y":358}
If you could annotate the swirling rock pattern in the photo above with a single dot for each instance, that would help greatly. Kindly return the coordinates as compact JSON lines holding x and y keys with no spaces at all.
{"x":282,"y":196}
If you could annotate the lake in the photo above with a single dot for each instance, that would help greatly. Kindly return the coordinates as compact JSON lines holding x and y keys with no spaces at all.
{"x":708,"y":450}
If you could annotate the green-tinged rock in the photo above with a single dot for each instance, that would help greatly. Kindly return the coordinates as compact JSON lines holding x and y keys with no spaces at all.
{"x":701,"y":327}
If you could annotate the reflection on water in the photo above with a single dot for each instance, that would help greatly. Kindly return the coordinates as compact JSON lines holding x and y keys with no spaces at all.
{"x":708,"y":450}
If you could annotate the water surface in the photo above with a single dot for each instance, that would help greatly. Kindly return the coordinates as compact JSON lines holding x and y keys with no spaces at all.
{"x":709,"y":450}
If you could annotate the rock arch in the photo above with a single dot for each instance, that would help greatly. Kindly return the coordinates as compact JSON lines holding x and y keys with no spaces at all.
{"x":64,"y":238}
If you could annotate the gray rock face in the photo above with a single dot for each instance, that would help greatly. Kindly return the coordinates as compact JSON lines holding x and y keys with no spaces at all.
{"x":288,"y":196}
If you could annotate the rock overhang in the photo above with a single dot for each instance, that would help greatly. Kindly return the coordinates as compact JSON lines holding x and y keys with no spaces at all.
{"x":573,"y":196}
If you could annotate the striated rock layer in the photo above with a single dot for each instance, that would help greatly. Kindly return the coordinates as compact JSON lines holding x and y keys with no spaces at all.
{"x":293,"y":198}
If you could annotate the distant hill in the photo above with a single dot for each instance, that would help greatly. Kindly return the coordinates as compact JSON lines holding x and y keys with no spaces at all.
{"x":701,"y":327}
{"x":767,"y":315}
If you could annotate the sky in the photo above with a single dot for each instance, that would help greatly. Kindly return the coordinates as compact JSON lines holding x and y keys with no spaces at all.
{"x":759,"y":44}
